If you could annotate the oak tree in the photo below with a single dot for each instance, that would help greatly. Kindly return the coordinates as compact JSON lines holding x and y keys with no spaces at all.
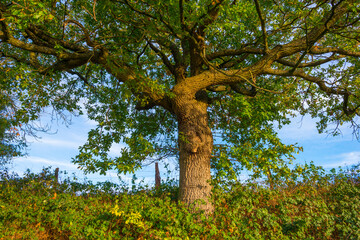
{"x":167,"y":77}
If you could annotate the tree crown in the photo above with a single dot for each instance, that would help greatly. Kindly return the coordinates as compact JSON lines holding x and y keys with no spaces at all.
{"x":255,"y":63}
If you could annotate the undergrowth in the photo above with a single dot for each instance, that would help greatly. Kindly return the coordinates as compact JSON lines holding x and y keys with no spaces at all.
{"x":318,"y":206}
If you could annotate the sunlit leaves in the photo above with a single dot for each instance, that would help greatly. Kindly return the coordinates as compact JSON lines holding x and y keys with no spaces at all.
{"x":117,"y":57}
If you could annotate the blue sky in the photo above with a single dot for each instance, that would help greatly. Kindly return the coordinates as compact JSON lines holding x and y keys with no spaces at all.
{"x":57,"y":149}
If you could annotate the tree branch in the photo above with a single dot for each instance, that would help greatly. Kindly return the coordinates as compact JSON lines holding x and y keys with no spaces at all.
{"x":317,"y":32}
{"x":41,"y":35}
{"x":16,"y":58}
{"x":88,"y":40}
{"x":181,"y":14}
{"x":46,"y":50}
{"x":152,"y":17}
{"x":210,"y":16}
{"x":218,"y":88}
{"x":162,"y":56}
{"x":234,"y":52}
{"x":323,"y":50}
{"x":309,"y":64}
{"x":173,"y":48}
{"x":235,"y":87}
{"x":299,"y":73}
{"x":262,"y":22}
{"x":244,"y":91}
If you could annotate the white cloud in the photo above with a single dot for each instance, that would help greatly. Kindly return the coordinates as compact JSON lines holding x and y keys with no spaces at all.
{"x":304,"y":128}
{"x":344,"y":159}
{"x":45,"y":162}
{"x":61,"y":143}
{"x":87,"y":121}
{"x":299,"y":129}
{"x":116,"y":149}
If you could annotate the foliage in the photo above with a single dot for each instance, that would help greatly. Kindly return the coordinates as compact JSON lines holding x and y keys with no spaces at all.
{"x":11,"y":143}
{"x":315,"y":206}
{"x":124,"y":56}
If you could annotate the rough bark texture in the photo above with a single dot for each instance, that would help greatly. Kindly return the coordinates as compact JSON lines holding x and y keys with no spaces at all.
{"x":195,"y":143}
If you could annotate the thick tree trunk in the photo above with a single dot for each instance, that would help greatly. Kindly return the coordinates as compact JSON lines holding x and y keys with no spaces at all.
{"x":195,"y":143}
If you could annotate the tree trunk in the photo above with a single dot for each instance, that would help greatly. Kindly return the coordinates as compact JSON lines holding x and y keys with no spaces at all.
{"x":195,"y":143}
{"x":157,"y":176}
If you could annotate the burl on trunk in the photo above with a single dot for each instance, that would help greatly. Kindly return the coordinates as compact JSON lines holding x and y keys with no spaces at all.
{"x":195,"y":143}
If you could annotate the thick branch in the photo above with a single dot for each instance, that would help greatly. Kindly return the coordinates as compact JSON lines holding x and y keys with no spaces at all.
{"x":41,"y":35}
{"x":231,"y":63}
{"x":17,"y":58}
{"x":234,"y":52}
{"x":217,"y":88}
{"x":46,"y":50}
{"x":5,"y":33}
{"x":237,"y":88}
{"x":125,"y":74}
{"x":68,"y":64}
{"x":181,"y":14}
{"x":324,"y":50}
{"x":218,"y":77}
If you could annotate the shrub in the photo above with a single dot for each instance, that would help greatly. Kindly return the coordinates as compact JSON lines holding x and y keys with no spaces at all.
{"x":323,"y":206}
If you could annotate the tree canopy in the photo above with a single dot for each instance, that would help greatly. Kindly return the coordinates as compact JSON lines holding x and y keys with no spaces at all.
{"x":164,"y":77}
{"x":12,"y":144}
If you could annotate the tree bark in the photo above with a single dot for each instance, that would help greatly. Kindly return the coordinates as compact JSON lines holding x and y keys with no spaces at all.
{"x":195,"y":144}
{"x":157,"y":176}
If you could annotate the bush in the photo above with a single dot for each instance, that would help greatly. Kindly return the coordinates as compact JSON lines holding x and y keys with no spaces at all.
{"x":325,"y":206}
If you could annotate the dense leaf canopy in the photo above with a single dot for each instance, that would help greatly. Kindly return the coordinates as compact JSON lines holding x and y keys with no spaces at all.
{"x":255,"y":63}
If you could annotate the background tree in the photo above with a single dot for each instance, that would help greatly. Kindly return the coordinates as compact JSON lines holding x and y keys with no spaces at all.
{"x":12,"y":144}
{"x":9,"y":147}
{"x":163,"y":76}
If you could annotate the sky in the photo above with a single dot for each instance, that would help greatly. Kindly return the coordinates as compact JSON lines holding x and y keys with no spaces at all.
{"x":58,"y":147}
